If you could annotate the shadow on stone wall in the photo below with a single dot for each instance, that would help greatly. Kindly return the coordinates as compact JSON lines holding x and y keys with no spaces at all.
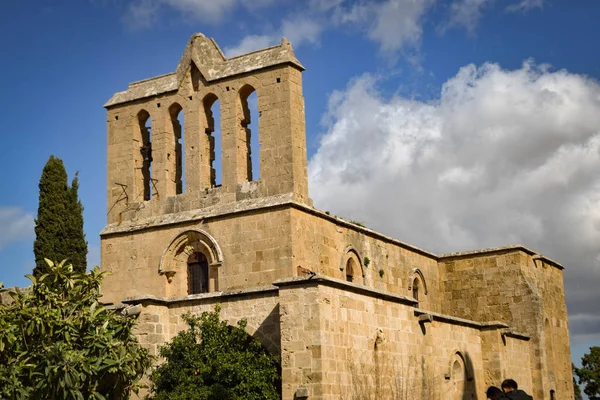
{"x":269,"y":332}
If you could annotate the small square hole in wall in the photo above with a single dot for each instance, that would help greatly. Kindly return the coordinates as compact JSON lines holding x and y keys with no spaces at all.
{"x":190,"y":97}
{"x":227,"y":88}
{"x":158,"y":105}
{"x":116,"y":117}
{"x":278,"y":80}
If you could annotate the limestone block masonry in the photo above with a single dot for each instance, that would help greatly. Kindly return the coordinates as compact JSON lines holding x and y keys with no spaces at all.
{"x":202,"y":208}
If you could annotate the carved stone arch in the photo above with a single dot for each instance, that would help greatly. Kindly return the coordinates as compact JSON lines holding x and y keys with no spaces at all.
{"x":350,"y":254}
{"x":174,"y":260}
{"x":458,"y":356}
{"x":248,"y":85}
{"x":416,"y":273}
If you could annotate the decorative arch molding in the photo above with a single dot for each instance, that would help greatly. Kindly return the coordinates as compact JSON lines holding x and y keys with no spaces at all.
{"x":465,"y":362}
{"x":186,"y":243}
{"x":416,"y":273}
{"x":351,"y":252}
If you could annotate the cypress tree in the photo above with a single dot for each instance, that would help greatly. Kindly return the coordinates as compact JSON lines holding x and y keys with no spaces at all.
{"x":77,"y":244}
{"x":59,"y":224}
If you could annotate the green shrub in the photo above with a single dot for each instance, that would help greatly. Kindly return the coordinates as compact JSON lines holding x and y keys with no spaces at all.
{"x":58,"y":342}
{"x":212,"y":360}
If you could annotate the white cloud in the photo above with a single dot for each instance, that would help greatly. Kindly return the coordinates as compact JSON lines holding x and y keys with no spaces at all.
{"x":392,"y":24}
{"x":298,"y":31}
{"x":301,"y":30}
{"x":398,"y":23}
{"x":525,"y":5}
{"x":16,"y":225}
{"x":142,"y":13}
{"x":467,"y":13}
{"x":502,"y":157}
{"x":324,"y":5}
{"x":251,"y":43}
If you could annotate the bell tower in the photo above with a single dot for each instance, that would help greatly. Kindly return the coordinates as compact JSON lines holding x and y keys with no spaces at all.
{"x":162,"y":133}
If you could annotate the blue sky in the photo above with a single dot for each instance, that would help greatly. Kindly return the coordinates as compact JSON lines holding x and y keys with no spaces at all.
{"x":451,"y":125}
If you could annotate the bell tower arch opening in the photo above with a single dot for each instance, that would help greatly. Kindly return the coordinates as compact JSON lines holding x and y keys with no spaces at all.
{"x":177,"y":160}
{"x":212,"y":114}
{"x":248,"y":141}
{"x":143,"y":160}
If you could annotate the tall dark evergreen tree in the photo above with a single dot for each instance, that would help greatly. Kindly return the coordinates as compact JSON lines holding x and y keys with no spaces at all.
{"x":77,"y":244}
{"x":59,"y":224}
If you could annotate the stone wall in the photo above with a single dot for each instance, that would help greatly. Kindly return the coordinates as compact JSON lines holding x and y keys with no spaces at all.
{"x":353,"y":341}
{"x":255,"y":248}
{"x":321,"y":242}
{"x":508,"y":285}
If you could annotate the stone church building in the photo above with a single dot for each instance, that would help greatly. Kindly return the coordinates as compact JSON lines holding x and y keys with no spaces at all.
{"x":198,"y":216}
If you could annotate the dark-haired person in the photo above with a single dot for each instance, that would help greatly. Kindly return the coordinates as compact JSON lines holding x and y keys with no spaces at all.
{"x":512,"y":391}
{"x":493,"y":393}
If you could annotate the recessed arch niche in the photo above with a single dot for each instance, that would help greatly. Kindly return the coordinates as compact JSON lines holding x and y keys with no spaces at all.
{"x":174,"y":263}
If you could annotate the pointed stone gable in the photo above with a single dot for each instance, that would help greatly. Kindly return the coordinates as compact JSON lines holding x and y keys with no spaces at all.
{"x":212,"y":64}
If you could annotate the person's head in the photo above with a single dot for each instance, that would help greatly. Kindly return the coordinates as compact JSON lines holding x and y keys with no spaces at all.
{"x":493,"y":393}
{"x":509,"y":385}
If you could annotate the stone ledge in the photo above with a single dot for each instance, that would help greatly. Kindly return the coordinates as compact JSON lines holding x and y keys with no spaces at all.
{"x":433,"y":316}
{"x":198,"y":214}
{"x":200,"y":296}
{"x":316,"y":280}
{"x":516,"y":335}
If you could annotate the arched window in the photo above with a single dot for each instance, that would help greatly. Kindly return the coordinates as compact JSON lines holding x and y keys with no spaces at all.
{"x":213,"y":117}
{"x":460,"y":374}
{"x":417,"y":285}
{"x":197,"y":273}
{"x":144,"y":158}
{"x":248,"y":143}
{"x":415,"y":289}
{"x":552,"y":395}
{"x":177,"y":161}
{"x":191,"y":264}
{"x":458,"y":379}
{"x":350,"y":265}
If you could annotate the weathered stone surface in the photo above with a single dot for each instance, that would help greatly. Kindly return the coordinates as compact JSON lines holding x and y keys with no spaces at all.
{"x":349,"y":310}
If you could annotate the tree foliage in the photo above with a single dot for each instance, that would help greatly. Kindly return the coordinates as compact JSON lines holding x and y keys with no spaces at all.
{"x":589,"y":373}
{"x":59,"y":224}
{"x":76,"y":236}
{"x":576,"y":389}
{"x":212,"y":360}
{"x":58,"y":342}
